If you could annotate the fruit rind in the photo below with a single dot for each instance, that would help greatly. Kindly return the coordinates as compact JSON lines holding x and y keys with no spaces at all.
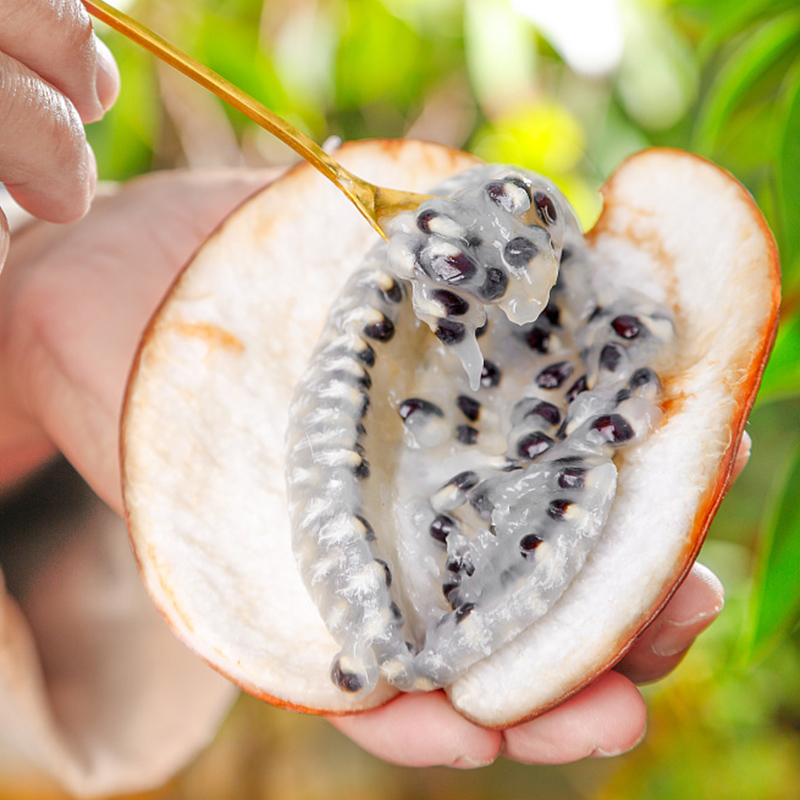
{"x":206,"y":375}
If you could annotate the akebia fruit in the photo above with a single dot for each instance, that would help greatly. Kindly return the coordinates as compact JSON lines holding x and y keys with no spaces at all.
{"x":486,"y":469}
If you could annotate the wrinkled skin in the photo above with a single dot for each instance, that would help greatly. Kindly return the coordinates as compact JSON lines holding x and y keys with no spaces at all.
{"x":73,"y":303}
{"x":55,"y":75}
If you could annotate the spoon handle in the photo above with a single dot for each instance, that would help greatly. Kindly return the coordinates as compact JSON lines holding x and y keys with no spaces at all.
{"x":374,"y":202}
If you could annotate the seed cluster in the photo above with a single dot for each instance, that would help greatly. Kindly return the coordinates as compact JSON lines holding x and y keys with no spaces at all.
{"x":501,"y":476}
{"x":496,"y":241}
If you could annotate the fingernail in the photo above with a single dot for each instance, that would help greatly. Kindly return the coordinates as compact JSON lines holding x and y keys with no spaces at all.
{"x":600,"y":752}
{"x":107,"y":79}
{"x":467,"y":762}
{"x":675,"y":636}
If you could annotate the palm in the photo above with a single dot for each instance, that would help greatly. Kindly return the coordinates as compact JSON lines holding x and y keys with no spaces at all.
{"x":74,"y":302}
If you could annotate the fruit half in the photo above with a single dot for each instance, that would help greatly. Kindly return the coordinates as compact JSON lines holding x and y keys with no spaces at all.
{"x":206,"y":414}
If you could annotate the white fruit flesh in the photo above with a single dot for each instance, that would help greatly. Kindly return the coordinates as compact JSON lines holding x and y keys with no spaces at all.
{"x":206,"y":416}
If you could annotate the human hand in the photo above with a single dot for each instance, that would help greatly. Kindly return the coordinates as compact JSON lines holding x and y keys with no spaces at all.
{"x":55,"y":75}
{"x":72,"y":308}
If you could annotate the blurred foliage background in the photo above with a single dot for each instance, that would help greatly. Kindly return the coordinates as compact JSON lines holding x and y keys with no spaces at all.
{"x":567,"y":88}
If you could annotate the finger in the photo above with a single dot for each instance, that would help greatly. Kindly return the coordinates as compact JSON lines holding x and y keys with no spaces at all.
{"x":742,"y":456}
{"x":108,"y":78}
{"x":45,"y":162}
{"x":605,"y":719}
{"x":421,"y":730}
{"x":5,"y":238}
{"x":54,"y":39}
{"x":659,"y":649}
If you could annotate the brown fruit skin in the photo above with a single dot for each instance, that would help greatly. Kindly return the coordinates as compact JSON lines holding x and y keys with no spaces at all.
{"x":745,"y":396}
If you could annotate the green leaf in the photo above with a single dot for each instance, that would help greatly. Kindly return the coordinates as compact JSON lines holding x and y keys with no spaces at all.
{"x":732,"y":17}
{"x":775,"y":600}
{"x":782,"y":375}
{"x":759,"y":52}
{"x":788,"y":177}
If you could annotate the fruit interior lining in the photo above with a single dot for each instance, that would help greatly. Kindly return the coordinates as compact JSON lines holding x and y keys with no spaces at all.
{"x":441,"y":500}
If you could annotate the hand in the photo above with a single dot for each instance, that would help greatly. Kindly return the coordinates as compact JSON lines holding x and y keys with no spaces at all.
{"x":72,"y":306}
{"x":73,"y":303}
{"x":55,"y":75}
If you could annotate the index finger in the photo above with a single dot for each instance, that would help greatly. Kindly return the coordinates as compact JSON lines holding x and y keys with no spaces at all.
{"x":55,"y":40}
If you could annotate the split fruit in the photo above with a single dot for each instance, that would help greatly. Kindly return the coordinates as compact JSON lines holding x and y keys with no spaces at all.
{"x":487,"y":469}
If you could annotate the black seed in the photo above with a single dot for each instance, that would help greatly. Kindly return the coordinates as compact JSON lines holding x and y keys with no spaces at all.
{"x":386,"y":570}
{"x":547,"y":411}
{"x":449,"y":332}
{"x":552,"y":313}
{"x":394,"y":294}
{"x":449,"y":588}
{"x":470,"y":407}
{"x":598,"y":310}
{"x":627,"y":326}
{"x":454,"y":305}
{"x":424,"y":219}
{"x":460,"y":563}
{"x":348,"y":681}
{"x":466,"y":434}
{"x":529,"y":543}
{"x":538,"y":337}
{"x":579,"y":386}
{"x":442,"y":527}
{"x":483,"y":328}
{"x":546,"y":207}
{"x":396,"y":612}
{"x":365,"y":401}
{"x":349,"y":378}
{"x":463,"y":611}
{"x":495,"y":284}
{"x":553,"y":376}
{"x":465,"y":480}
{"x":614,"y":428}
{"x":366,"y":356}
{"x":369,"y":532}
{"x":558,"y":509}
{"x":572,"y":478}
{"x":479,"y":499}
{"x":622,"y":395}
{"x":452,"y":269}
{"x":381,"y":331}
{"x":642,"y":376}
{"x":360,"y":429}
{"x":490,"y":375}
{"x":499,"y":194}
{"x":533,"y":444}
{"x":519,"y":251}
{"x":611,"y":357}
{"x":362,"y":471}
{"x":416,"y":405}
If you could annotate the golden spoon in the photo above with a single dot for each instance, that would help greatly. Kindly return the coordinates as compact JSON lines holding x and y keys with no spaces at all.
{"x":376,"y":203}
